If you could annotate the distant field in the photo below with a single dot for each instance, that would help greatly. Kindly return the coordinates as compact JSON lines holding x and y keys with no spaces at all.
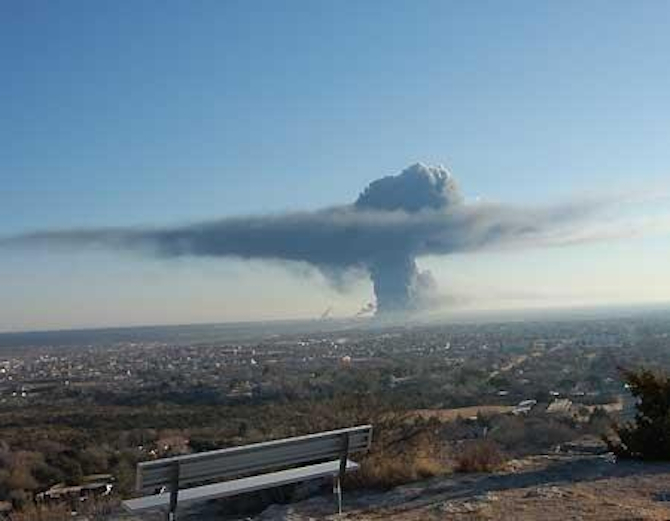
{"x":463,"y":412}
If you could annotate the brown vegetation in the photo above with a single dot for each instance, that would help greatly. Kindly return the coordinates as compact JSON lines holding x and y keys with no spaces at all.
{"x":478,"y":456}
{"x":463,"y":412}
{"x":404,"y":450}
{"x":93,"y":509}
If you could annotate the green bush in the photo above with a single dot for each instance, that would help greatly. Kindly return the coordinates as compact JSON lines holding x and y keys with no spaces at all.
{"x":648,"y":436}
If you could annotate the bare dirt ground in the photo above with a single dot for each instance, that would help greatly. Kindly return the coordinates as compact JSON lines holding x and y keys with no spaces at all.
{"x":546,"y":488}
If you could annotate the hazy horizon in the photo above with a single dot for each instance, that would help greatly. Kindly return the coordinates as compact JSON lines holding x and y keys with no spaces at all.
{"x":458,"y":317}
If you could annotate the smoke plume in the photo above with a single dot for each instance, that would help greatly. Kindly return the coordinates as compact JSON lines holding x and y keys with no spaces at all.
{"x":397,"y":281}
{"x":394,"y":220}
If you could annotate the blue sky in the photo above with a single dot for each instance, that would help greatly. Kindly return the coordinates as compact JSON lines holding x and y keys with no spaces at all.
{"x":132,"y":113}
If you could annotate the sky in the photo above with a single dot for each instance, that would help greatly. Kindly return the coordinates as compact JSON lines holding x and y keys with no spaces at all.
{"x":164,"y":113}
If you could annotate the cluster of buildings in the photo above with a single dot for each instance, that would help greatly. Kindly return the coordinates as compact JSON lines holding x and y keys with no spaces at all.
{"x":517,"y":359}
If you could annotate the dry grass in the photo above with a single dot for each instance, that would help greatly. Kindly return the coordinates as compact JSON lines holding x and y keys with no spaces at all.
{"x":42,"y":513}
{"x":404,"y":450}
{"x":462,"y":412}
{"x":479,"y":456}
{"x":93,"y":509}
{"x":387,"y":471}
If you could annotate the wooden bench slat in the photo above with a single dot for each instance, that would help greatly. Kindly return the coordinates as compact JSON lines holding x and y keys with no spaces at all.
{"x":239,"y":486}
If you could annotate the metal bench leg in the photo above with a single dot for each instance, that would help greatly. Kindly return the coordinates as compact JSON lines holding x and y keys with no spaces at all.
{"x":174,"y":492}
{"x":337,"y":489}
{"x":344,"y":455}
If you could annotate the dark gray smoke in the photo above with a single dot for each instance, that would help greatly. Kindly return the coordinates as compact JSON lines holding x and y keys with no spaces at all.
{"x":394,"y":273}
{"x":395,"y":219}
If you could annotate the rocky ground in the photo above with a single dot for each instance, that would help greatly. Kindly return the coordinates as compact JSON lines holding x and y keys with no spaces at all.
{"x":557,"y":487}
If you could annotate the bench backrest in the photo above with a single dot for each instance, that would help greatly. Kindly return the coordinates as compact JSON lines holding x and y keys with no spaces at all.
{"x":252,"y":459}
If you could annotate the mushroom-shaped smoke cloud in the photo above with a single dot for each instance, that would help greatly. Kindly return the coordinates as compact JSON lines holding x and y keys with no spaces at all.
{"x":398,"y":284}
{"x":394,"y":220}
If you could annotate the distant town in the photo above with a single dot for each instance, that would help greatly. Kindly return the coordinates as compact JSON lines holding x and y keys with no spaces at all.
{"x":77,"y":416}
{"x":504,"y":362}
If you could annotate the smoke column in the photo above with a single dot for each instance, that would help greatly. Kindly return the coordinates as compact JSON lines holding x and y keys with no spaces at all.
{"x":394,"y":220}
{"x":395,"y":276}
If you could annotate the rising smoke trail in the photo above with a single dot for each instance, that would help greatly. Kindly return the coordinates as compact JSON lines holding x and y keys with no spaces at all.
{"x":394,"y":220}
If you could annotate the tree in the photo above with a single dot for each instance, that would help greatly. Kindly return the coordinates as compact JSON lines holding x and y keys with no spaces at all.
{"x":93,"y":460}
{"x":648,"y":437}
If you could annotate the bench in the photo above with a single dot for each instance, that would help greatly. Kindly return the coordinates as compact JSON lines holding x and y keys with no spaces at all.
{"x":228,"y":472}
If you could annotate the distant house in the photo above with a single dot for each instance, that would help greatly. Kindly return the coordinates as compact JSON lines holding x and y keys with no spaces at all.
{"x":395,"y":381}
{"x":243,"y":389}
{"x":560,"y":406}
{"x":524,"y":407}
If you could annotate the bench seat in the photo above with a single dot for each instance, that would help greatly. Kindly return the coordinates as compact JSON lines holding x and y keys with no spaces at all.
{"x":240,"y":486}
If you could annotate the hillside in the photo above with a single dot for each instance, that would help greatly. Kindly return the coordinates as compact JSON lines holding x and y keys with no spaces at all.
{"x":549,"y":487}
